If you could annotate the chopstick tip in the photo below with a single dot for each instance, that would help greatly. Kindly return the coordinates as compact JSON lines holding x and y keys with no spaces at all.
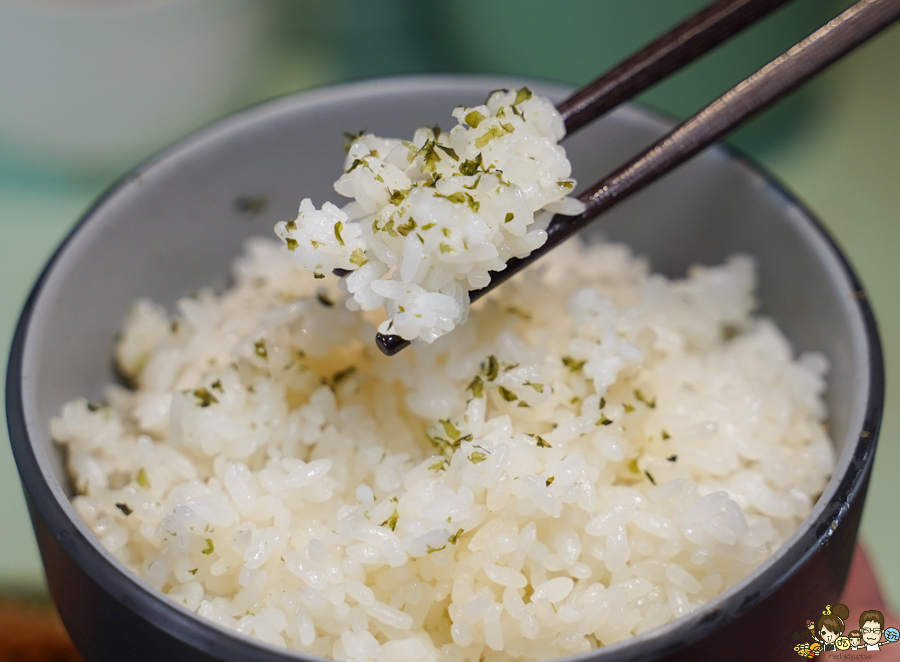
{"x":390,"y":344}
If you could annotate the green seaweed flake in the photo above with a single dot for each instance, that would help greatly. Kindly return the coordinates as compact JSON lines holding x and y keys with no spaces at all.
{"x":398,"y":196}
{"x":521,"y":314}
{"x":259,"y":348}
{"x":499,"y":175}
{"x":470,"y":167}
{"x":474,"y":118}
{"x":412,"y":150}
{"x":204,"y":397}
{"x":391,"y":522}
{"x":341,"y":375}
{"x":573,"y":365}
{"x":450,"y":429}
{"x":389,"y":228}
{"x":506,"y":394}
{"x":490,"y":367}
{"x":436,"y":441}
{"x":461,"y":198}
{"x":638,"y":394}
{"x":356,"y":163}
{"x":430,"y":156}
{"x":358,"y":257}
{"x":449,"y":151}
{"x":494,"y":132}
{"x":407,"y":227}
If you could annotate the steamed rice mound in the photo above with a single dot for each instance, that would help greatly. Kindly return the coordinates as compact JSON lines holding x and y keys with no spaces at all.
{"x":429,"y":218}
{"x":597,"y":452}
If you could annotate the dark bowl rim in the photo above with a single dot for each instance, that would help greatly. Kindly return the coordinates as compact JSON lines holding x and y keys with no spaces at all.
{"x":199,"y":633}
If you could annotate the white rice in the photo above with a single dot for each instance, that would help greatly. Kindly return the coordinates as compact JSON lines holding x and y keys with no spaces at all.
{"x":608,"y":451}
{"x":436,"y":214}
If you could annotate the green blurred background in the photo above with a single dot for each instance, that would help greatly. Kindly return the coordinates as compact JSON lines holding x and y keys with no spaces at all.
{"x":89,"y":89}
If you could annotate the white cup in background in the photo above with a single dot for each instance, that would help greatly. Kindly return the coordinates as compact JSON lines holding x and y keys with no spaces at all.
{"x":94,"y":85}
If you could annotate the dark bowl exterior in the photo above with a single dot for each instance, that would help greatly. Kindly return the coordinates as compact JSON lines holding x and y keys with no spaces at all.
{"x":715,"y":205}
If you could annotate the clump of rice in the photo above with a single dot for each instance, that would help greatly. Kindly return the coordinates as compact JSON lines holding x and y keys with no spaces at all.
{"x":597,"y":452}
{"x":431,"y":217}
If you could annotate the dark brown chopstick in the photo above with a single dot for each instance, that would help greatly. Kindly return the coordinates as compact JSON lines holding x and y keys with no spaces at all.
{"x":787,"y":72}
{"x":677,"y":48}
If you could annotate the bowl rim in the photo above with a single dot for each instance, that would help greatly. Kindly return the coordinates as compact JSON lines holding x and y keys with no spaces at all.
{"x":55,"y":509}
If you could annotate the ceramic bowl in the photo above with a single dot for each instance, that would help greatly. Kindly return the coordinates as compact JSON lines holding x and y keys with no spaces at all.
{"x":173,"y":226}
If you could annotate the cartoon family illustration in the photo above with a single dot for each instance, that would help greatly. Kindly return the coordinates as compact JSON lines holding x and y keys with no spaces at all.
{"x":828,"y":633}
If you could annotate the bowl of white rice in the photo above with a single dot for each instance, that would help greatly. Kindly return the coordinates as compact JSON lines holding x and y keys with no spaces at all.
{"x":653,"y":445}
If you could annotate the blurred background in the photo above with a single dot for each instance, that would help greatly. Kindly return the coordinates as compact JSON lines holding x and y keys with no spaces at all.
{"x":90,"y":88}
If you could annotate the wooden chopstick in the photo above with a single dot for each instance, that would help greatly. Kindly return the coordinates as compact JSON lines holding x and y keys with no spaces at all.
{"x":787,"y":72}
